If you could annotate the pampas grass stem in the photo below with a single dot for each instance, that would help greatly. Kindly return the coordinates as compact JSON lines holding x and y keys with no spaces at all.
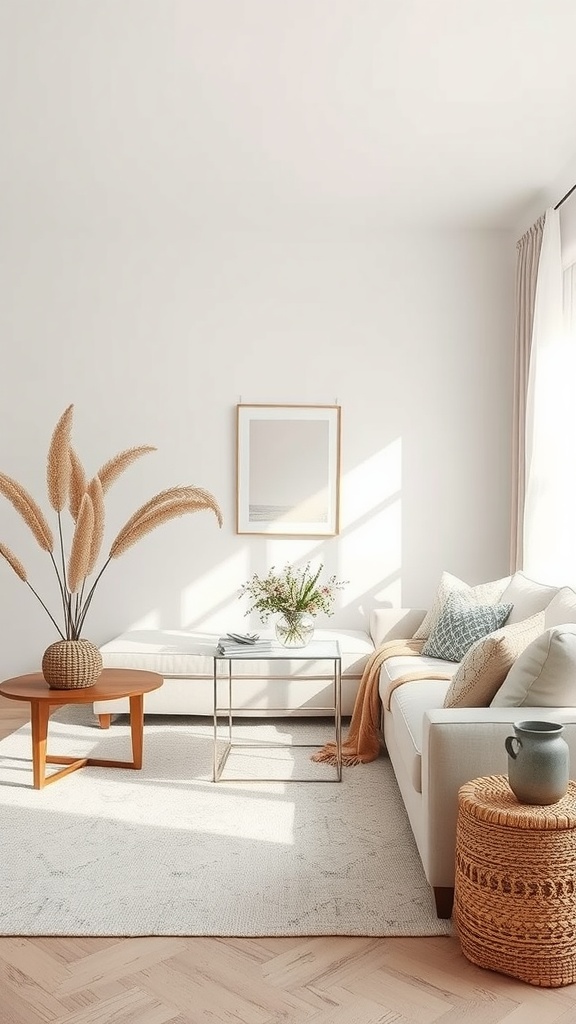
{"x":59,"y":465}
{"x":20,"y":571}
{"x":61,"y":588}
{"x":88,"y":601}
{"x":63,"y":578}
{"x":49,"y":614}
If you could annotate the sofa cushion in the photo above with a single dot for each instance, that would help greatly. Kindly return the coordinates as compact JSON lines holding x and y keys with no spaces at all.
{"x":562,"y":608}
{"x":484,"y":668}
{"x":460,"y":625}
{"x":483,"y":593}
{"x":527,"y":596}
{"x":544,"y":675}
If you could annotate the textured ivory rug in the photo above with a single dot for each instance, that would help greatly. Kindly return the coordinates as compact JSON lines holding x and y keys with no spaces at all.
{"x":165,"y":851}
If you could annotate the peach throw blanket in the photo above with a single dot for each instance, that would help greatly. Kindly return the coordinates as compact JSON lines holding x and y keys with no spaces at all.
{"x":363,"y":742}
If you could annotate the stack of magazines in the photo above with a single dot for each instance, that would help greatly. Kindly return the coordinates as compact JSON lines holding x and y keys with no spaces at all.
{"x":243,"y":644}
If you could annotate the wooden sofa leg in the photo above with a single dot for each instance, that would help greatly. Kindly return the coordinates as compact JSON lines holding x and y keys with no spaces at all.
{"x":444,"y":896}
{"x":105,"y":721}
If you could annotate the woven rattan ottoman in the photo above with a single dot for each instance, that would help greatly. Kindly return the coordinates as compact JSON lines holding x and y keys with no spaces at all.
{"x":515,"y":888}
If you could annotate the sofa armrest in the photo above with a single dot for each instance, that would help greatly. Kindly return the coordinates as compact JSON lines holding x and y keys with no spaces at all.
{"x":394,"y":623}
{"x":460,"y":744}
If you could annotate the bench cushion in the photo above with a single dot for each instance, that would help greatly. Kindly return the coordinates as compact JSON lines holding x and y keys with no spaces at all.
{"x":177,"y":653}
{"x":185,"y":660}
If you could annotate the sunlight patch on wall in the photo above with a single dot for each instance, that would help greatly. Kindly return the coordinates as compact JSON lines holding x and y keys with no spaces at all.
{"x":371,"y":540}
{"x":212,"y":599}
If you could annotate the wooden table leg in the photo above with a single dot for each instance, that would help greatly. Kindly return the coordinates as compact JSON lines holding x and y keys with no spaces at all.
{"x":39,"y":715}
{"x":137,"y":728}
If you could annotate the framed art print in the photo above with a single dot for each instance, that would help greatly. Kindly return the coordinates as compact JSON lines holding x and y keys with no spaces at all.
{"x":288,"y":469}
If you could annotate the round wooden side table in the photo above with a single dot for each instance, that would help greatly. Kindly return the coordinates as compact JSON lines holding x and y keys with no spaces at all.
{"x":110,"y":685}
{"x":515,"y":887}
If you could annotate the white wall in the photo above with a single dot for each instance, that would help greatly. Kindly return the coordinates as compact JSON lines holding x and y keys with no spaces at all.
{"x":155,"y":338}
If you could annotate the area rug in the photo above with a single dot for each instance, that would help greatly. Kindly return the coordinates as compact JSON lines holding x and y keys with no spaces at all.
{"x":166,"y":851}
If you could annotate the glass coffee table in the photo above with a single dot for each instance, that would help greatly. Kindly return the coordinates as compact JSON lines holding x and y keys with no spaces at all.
{"x":319,"y":650}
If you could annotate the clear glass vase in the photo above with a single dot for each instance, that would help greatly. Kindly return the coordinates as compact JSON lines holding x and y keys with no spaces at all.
{"x":295,"y":629}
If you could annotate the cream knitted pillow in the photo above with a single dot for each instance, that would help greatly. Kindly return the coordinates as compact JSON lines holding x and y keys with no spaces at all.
{"x":484,"y":668}
{"x":484,"y":593}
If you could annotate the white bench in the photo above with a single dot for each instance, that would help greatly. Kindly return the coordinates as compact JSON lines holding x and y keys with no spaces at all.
{"x":185,"y":662}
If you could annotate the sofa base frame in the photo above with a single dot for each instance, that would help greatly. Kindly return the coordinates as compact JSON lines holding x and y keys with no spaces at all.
{"x":444,"y":897}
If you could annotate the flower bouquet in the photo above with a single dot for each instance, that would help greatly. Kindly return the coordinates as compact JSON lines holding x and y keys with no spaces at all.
{"x":296,"y":595}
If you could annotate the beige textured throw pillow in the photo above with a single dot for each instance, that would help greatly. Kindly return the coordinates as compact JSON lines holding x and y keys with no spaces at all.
{"x":484,"y":593}
{"x":484,"y":668}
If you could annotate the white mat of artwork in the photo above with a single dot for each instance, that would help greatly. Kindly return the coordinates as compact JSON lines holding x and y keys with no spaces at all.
{"x":165,"y":851}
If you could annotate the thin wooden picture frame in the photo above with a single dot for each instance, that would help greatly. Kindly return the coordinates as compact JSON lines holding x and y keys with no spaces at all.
{"x":288,"y":470}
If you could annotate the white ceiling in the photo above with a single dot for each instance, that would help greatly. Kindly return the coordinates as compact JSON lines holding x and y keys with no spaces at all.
{"x":234,"y":112}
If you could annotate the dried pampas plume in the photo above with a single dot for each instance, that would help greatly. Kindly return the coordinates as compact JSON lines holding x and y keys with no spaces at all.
{"x":145,"y":521}
{"x":112,"y":469}
{"x":198,"y":494}
{"x":68,"y":486}
{"x":96,"y":495}
{"x":59,"y":464}
{"x":77,"y":484}
{"x":31,"y":512}
{"x":13,"y":561}
{"x":81,"y":544}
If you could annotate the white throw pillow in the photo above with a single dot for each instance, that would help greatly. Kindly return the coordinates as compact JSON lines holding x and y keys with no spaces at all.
{"x":484,"y":668}
{"x":562,"y":608}
{"x":544,"y":675}
{"x":527,"y":596}
{"x":483,"y":593}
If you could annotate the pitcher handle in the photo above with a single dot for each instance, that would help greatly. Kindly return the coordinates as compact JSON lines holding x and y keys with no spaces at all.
{"x":509,"y":744}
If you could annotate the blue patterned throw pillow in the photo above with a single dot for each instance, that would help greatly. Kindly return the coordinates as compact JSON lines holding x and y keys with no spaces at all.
{"x":460,"y":625}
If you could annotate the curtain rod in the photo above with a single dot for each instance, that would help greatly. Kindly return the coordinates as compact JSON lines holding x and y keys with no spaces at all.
{"x":564,"y":198}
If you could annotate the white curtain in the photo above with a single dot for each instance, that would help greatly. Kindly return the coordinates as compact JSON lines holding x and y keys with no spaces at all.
{"x":527,"y":257}
{"x":550,"y":505}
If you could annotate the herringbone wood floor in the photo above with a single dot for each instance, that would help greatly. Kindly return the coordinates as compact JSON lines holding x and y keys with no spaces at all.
{"x":322,"y":980}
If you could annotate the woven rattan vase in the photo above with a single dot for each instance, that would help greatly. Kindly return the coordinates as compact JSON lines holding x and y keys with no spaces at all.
{"x":71,"y":664}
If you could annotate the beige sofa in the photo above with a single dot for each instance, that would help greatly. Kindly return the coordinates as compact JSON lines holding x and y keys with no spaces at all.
{"x":435,"y":749}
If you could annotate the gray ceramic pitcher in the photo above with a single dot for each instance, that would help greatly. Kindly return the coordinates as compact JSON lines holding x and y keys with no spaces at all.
{"x":538,"y":762}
